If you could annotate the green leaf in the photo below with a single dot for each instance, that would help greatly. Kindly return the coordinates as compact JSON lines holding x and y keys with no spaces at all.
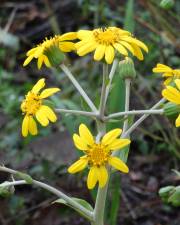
{"x":129,"y":17}
{"x":82,"y":202}
{"x":25,"y":177}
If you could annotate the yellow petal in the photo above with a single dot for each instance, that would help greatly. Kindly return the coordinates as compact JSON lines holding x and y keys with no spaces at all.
{"x":167,"y":74}
{"x":167,"y":81}
{"x":67,"y":46}
{"x":161,"y":68}
{"x":40,"y":61}
{"x":86,"y":135}
{"x":138,"y":53}
{"x":136,"y":42}
{"x":32,"y":126}
{"x":38,"y":86}
{"x":48,"y":112}
{"x":171,"y":94}
{"x":111,"y":136}
{"x":177,"y":82}
{"x":83,"y":34}
{"x":109,"y":54}
{"x":128,"y":46}
{"x":48,"y":92}
{"x":46,"y":61}
{"x":68,"y":36}
{"x":28,"y":60}
{"x":121,"y":49}
{"x":42,"y":118}
{"x":92,"y":177}
{"x":79,"y":143}
{"x":80,"y":44}
{"x":178,"y":121}
{"x":99,"y":52}
{"x":118,"y":164}
{"x":31,"y":51}
{"x":118,"y":144}
{"x":25,"y":126}
{"x":102,"y":176}
{"x":78,"y":165}
{"x":85,"y":49}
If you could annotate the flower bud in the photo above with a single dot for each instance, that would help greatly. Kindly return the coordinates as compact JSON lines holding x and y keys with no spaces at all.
{"x":167,"y":4}
{"x":164,"y":192}
{"x":126,"y":69}
{"x":171,"y":110}
{"x":6,"y":191}
{"x":54,"y":55}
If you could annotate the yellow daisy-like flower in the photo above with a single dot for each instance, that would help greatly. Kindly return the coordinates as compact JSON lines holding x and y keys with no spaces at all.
{"x":105,"y":41}
{"x":39,"y":52}
{"x":32,"y":106}
{"x":172,"y":94}
{"x":167,"y":72}
{"x":98,"y":155}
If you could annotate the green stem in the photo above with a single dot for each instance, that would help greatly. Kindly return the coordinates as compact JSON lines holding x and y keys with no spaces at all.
{"x":86,"y":213}
{"x":127,"y":99}
{"x":79,"y":88}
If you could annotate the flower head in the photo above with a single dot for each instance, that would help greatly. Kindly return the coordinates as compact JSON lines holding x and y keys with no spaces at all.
{"x":167,"y":72}
{"x":172,"y":94}
{"x":105,"y":41}
{"x":40,"y":51}
{"x":32,"y":106}
{"x":98,"y":155}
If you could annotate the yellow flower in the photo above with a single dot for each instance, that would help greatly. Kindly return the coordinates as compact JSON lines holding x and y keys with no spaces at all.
{"x":167,"y":72}
{"x":105,"y":41}
{"x":39,"y":52}
{"x":98,"y":155}
{"x":33,"y":105}
{"x":172,"y":94}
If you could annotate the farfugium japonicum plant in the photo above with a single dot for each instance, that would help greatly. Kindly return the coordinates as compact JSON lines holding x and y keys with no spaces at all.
{"x":114,"y":48}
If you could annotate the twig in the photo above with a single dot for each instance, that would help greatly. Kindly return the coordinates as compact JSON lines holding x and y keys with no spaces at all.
{"x":79,"y":88}
{"x":49,"y":188}
{"x":140,"y":120}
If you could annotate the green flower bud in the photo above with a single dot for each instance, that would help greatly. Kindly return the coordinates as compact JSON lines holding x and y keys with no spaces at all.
{"x":6,"y":191}
{"x":165,"y":192}
{"x":167,"y":4}
{"x":54,"y":55}
{"x":171,"y":110}
{"x":126,"y":69}
{"x":174,"y":198}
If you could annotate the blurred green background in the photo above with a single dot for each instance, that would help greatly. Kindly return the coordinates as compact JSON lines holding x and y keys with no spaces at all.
{"x":155,"y":147}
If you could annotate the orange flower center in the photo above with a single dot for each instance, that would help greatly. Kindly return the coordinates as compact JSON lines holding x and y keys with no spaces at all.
{"x":106,"y":36}
{"x":31,"y":103}
{"x":97,"y":155}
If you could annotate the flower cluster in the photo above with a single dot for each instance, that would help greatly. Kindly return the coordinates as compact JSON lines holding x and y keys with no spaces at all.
{"x":103,"y":41}
{"x":99,"y":156}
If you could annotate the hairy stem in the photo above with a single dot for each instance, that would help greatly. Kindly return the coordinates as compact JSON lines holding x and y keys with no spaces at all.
{"x":111,"y":75}
{"x":127,"y":99}
{"x":86,"y":213}
{"x":79,"y":88}
{"x":134,"y":112}
{"x":103,"y":90}
{"x":140,"y":120}
{"x":77,"y":112}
